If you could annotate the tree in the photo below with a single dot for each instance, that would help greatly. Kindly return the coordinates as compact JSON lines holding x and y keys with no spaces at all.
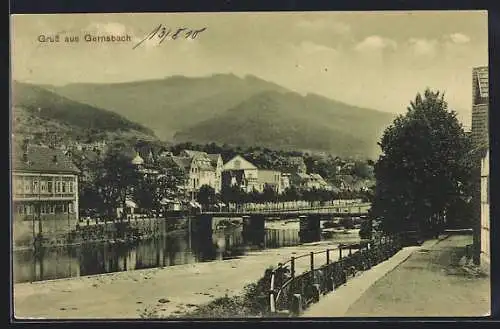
{"x":206,"y":196}
{"x":291,"y":194}
{"x":255,"y":196}
{"x":423,"y":168}
{"x":362,"y":170}
{"x":233,"y":194}
{"x":116,"y":177}
{"x":269,"y":194}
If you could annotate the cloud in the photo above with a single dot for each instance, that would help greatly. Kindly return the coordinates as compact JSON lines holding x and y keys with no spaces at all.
{"x":459,"y":38}
{"x":108,"y":28}
{"x":374,"y":43}
{"x":423,"y":47}
{"x":324,"y":25}
{"x":309,"y":48}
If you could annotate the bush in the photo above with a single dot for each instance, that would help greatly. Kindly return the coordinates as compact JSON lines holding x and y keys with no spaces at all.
{"x":253,"y":302}
{"x":365,"y":232}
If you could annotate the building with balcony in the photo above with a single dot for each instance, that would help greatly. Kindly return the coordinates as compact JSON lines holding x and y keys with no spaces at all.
{"x":44,"y":191}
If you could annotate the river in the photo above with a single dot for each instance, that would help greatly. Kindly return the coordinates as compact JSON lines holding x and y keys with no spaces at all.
{"x":175,"y":248}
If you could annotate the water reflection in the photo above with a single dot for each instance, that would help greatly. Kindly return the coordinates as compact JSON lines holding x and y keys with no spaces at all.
{"x":179,"y":247}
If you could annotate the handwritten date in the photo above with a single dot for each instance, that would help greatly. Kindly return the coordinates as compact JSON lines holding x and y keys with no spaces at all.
{"x":162,"y":32}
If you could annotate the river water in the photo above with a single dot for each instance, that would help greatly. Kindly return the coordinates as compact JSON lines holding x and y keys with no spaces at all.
{"x":175,"y":248}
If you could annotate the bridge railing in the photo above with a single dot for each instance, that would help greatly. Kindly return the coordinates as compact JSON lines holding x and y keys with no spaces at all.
{"x":293,"y":290}
{"x":360,"y":208}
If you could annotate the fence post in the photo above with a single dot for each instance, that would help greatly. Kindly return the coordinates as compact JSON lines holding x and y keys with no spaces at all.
{"x":292,"y":267}
{"x":312,"y":267}
{"x":272,"y":304}
{"x":327,"y":256}
{"x":350,"y":250}
{"x":340,"y":251}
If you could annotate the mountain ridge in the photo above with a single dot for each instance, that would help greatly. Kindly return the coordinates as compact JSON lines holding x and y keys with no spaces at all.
{"x":175,"y":107}
{"x":292,"y":121}
{"x":38,"y":111}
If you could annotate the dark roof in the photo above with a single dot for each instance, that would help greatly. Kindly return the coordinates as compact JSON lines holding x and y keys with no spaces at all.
{"x":482,"y":80}
{"x":192,"y":153}
{"x":85,"y":154}
{"x":182,"y":162}
{"x":214,"y":158}
{"x":43,"y":160}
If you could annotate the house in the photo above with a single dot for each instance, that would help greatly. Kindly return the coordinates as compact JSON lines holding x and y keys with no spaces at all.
{"x":190,"y":186}
{"x":270,"y":178}
{"x":130,"y":207}
{"x":240,"y":172}
{"x":145,"y":168}
{"x":300,"y":180}
{"x":201,"y":169}
{"x":218,"y":164}
{"x":481,"y":155}
{"x":318,"y":182}
{"x":44,"y":189}
{"x":295,"y":165}
{"x":285,"y":181}
{"x":310,"y":181}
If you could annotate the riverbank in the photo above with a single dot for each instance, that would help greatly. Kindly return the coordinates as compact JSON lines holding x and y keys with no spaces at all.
{"x":165,"y":291}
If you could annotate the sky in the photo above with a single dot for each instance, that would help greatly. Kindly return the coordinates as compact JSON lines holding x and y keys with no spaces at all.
{"x":379,"y":60}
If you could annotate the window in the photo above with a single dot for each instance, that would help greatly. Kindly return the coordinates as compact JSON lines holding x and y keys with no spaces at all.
{"x":49,"y":186}
{"x":35,"y":186}
{"x":20,"y":209}
{"x":52,"y":209}
{"x":63,"y":187}
{"x":64,"y":208}
{"x":43,"y":186}
{"x":27,"y":186}
{"x":19,"y":185}
{"x":58,"y":187}
{"x":71,"y":207}
{"x":43,"y":209}
{"x":70,"y":187}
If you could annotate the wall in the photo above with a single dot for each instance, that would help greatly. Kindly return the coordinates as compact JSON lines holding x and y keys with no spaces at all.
{"x":485,"y":210}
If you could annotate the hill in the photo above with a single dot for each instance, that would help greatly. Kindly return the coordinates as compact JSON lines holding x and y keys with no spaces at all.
{"x":171,"y":104}
{"x":291,"y":121}
{"x":42,"y":113}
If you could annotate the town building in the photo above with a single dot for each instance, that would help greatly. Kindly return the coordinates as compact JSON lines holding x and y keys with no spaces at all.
{"x":44,"y":191}
{"x":296,"y":165}
{"x":271,"y":178}
{"x":240,"y":172}
{"x":310,"y":181}
{"x":285,"y":181}
{"x":480,"y":141}
{"x":201,"y":169}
